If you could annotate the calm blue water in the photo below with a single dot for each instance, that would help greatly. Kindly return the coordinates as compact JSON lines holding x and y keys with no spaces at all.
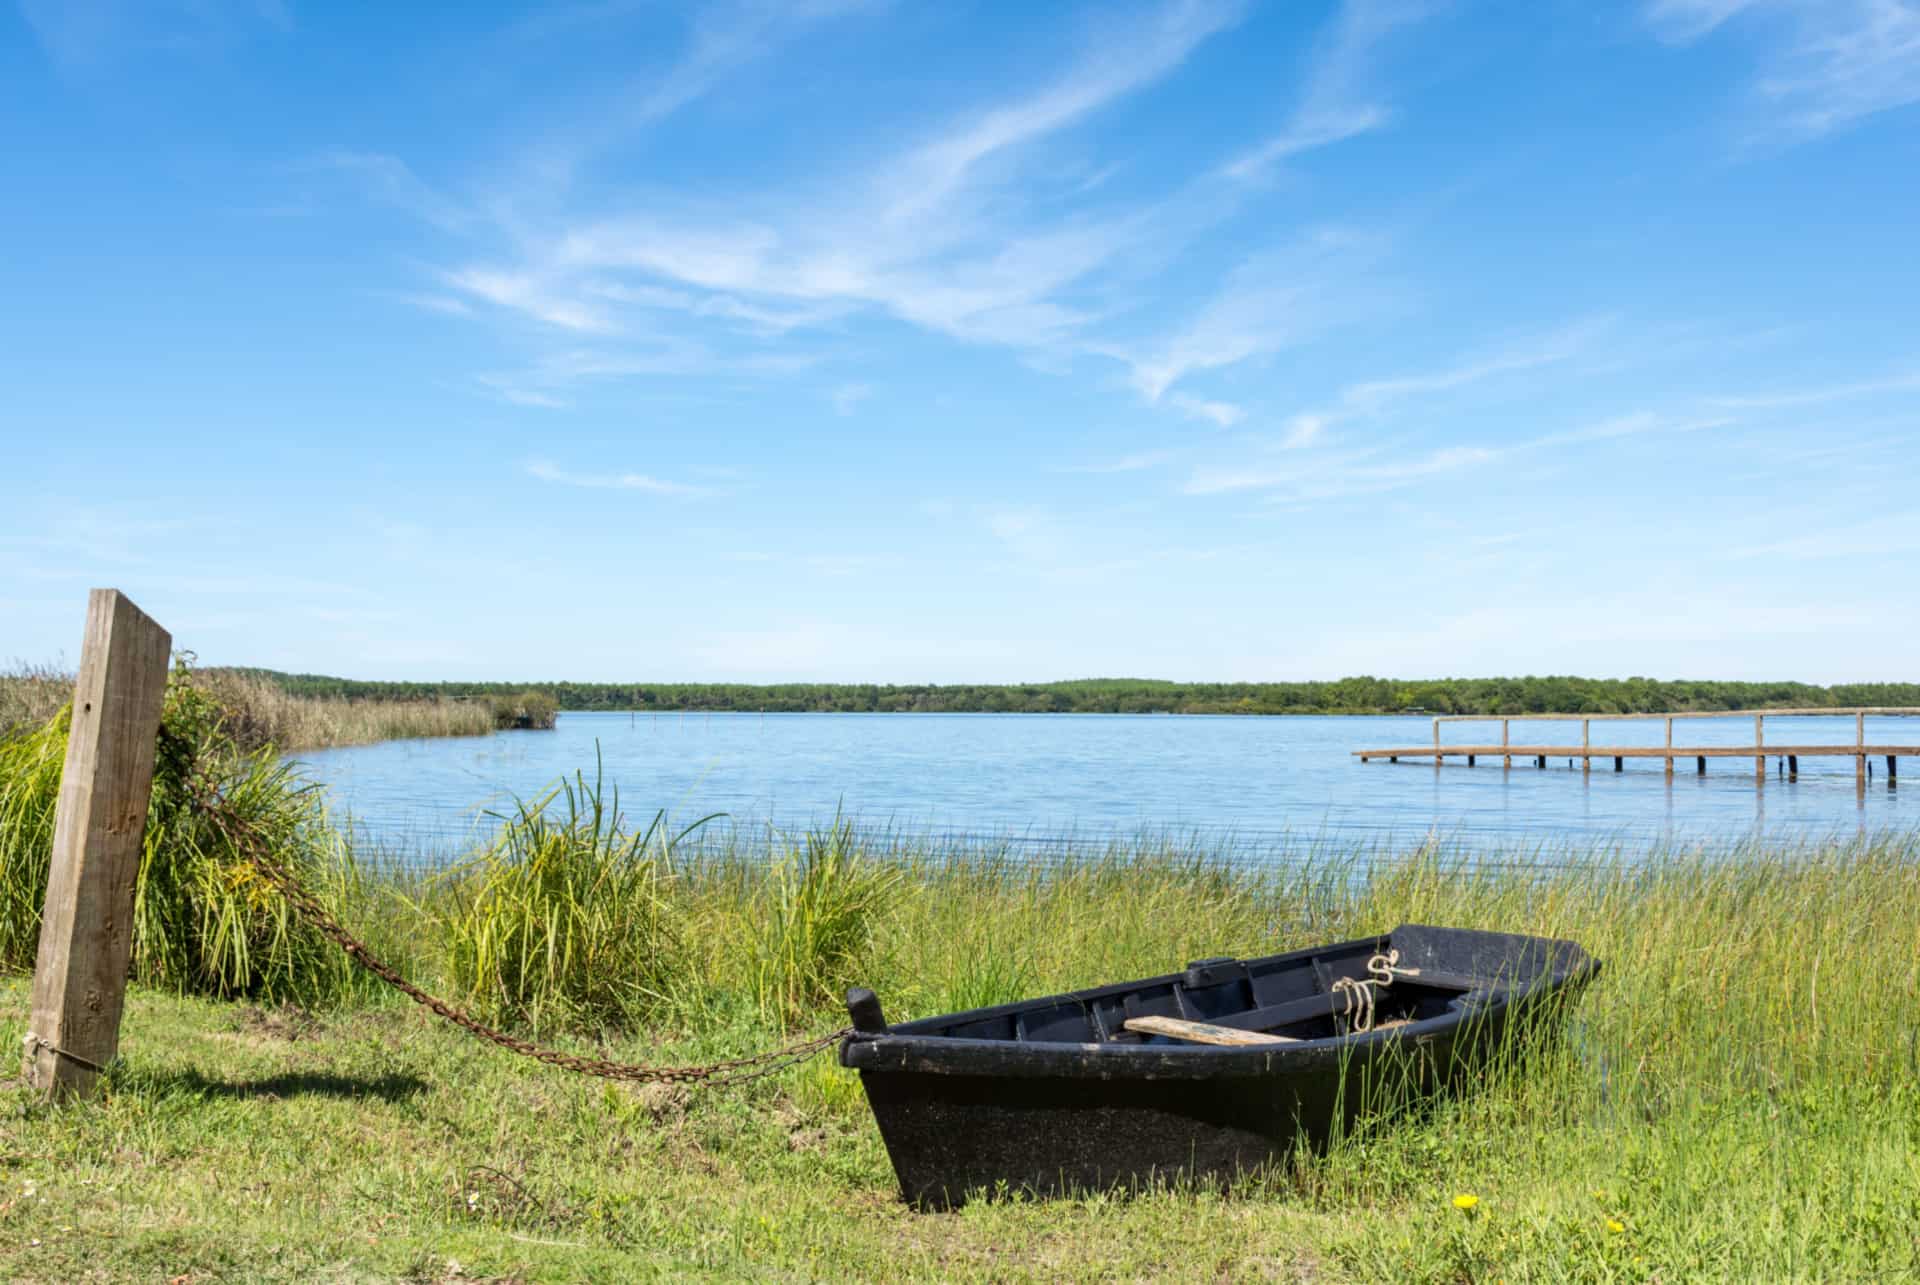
{"x":1279,"y":784}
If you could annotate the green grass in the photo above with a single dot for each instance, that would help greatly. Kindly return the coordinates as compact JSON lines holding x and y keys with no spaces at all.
{"x":1737,"y":1097}
{"x":1739,"y":1092}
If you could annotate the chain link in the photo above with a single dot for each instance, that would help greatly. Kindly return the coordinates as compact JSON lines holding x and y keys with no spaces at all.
{"x":738,"y":1070}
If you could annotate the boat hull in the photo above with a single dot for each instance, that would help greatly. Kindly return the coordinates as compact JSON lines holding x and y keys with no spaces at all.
{"x":962,"y":1116}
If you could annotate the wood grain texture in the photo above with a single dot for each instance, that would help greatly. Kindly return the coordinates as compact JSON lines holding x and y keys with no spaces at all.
{"x":1202,"y":1032}
{"x":86,"y":929}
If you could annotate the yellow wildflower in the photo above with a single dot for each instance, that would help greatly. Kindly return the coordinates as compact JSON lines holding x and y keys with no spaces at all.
{"x":1465,"y":1203}
{"x":1615,"y":1226}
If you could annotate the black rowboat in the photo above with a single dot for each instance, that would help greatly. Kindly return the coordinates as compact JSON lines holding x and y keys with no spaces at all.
{"x":1212,"y":1072}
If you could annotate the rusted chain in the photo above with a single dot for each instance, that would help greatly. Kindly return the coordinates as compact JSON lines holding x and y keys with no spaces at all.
{"x":733,"y":1071}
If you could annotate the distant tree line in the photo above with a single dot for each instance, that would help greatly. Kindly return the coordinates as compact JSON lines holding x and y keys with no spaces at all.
{"x":1362,"y":695}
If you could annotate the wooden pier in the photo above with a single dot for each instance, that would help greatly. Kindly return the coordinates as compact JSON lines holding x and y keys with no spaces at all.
{"x":1586,"y":751}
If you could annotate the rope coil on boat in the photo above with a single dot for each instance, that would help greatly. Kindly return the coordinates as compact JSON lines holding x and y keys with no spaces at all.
{"x":1382,"y":969}
{"x":249,"y":844}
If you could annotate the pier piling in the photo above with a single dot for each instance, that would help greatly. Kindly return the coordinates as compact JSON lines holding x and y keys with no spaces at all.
{"x":1788,"y":756}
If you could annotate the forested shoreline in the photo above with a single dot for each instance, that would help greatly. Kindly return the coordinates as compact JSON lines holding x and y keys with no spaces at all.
{"x":1359,"y":695}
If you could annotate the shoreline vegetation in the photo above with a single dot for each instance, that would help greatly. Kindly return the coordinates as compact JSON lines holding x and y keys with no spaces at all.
{"x":259,"y":711}
{"x":1736,"y":1097}
{"x":1360,"y":695}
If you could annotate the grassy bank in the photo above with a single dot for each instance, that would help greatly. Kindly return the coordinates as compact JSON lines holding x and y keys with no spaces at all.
{"x":1739,"y":1096}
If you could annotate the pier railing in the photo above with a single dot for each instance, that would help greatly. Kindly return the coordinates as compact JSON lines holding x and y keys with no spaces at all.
{"x":1860,"y":751}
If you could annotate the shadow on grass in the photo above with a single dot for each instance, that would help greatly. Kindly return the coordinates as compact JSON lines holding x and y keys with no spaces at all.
{"x":267,"y":1088}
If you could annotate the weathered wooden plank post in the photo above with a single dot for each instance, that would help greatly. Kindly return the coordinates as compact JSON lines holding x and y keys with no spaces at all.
{"x":1669,"y":745}
{"x":1860,"y":758}
{"x":80,"y":976}
{"x":1759,"y":743}
{"x":1507,"y":759}
{"x":1586,"y":743}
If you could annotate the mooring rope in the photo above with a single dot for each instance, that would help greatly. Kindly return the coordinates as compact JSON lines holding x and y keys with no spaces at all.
{"x":1382,"y":969}
{"x":247,"y":842}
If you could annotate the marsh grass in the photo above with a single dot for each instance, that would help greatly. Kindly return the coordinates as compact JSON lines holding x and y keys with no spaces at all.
{"x":566,"y":920}
{"x":1736,"y":1097}
{"x":261,"y":713}
{"x":30,"y":695}
{"x":813,"y":919}
{"x":204,"y":921}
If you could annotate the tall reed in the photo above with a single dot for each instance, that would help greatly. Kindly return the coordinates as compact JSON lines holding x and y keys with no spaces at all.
{"x":259,"y":713}
{"x":204,"y":921}
{"x":30,"y":695}
{"x":567,"y":919}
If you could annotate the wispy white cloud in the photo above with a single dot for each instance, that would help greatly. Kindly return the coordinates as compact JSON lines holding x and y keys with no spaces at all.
{"x":1125,"y":60}
{"x":1375,"y":398}
{"x":1125,"y":464}
{"x":1222,"y":414}
{"x":547,"y":471}
{"x":1829,"y":64}
{"x":1291,"y":474}
{"x":1683,"y":20}
{"x":724,"y":38}
{"x":392,"y":181}
{"x":956,"y":234}
{"x":1893,"y":534}
{"x":1816,"y":396}
{"x":95,"y":34}
{"x":1269,"y":302}
{"x":847,"y":397}
{"x":427,"y":302}
{"x":1334,"y":477}
{"x":526,"y":293}
{"x":1339,"y":100}
{"x":556,"y":378}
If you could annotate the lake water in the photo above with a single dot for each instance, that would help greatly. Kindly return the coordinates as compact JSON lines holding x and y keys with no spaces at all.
{"x":1261,"y":784}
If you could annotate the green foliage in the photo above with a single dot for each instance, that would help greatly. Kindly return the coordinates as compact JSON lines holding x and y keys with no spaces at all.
{"x":525,"y":709}
{"x":204,"y":921}
{"x":566,"y":920}
{"x":1360,"y":695}
{"x":30,"y":769}
{"x":816,"y":910}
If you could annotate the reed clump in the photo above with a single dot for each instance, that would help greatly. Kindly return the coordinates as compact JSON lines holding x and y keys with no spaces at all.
{"x":205,"y":922}
{"x":526,"y":710}
{"x":566,"y":920}
{"x":260,"y":713}
{"x":30,"y":695}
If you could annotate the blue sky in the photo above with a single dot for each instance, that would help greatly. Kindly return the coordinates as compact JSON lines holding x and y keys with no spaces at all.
{"x":849,"y":340}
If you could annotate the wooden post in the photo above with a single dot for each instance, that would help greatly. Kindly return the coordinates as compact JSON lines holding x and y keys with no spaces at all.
{"x":1503,"y":741}
{"x":1893,"y":768}
{"x":1700,"y":765}
{"x":80,"y":977}
{"x":1793,"y":766}
{"x":1759,"y":760}
{"x":1669,"y":745}
{"x":1586,"y":743}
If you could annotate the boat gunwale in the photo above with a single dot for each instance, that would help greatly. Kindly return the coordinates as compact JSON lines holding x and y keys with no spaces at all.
{"x":909,"y":1047}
